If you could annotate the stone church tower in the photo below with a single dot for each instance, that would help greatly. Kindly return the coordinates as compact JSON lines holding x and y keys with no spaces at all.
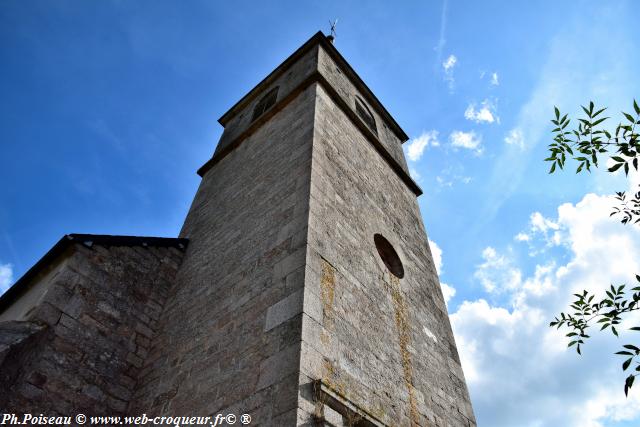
{"x":301,"y":290}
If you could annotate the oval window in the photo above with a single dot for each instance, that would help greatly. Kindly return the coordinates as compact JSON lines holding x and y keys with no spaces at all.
{"x":389,"y":256}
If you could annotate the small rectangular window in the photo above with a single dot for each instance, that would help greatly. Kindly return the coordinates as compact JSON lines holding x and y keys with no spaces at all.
{"x":365,"y":114}
{"x":265,"y":103}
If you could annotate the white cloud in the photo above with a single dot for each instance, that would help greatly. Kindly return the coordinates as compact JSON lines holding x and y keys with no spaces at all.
{"x":485,"y":114}
{"x":494,"y":79}
{"x":518,"y":369}
{"x":454,"y":173}
{"x":448,"y":65}
{"x":443,"y":28}
{"x":542,"y":224}
{"x":515,"y":138}
{"x":468,"y":140}
{"x":6,"y":277}
{"x":545,"y":229}
{"x":443,"y":182}
{"x":436,"y":252}
{"x":415,"y":148}
{"x":448,"y":292}
{"x":415,"y":174}
{"x":497,"y":273}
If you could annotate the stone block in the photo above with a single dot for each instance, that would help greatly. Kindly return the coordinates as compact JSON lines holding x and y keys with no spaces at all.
{"x":284,"y":310}
{"x":283,"y":363}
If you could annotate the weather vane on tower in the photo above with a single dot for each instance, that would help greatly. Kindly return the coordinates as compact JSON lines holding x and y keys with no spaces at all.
{"x":333,"y":24}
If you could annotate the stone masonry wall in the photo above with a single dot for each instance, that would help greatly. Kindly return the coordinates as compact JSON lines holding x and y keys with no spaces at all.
{"x":81,"y":348}
{"x":384,"y":343}
{"x":287,"y":82}
{"x":230,"y":335}
{"x":347,"y":90}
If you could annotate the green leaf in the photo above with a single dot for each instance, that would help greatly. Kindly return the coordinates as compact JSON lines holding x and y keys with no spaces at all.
{"x":599,"y":111}
{"x":628,"y":384}
{"x":626,"y":364}
{"x":585,"y":110}
{"x":597,"y":122}
{"x":635,"y":107}
{"x":557,"y":112}
{"x":629,"y":117}
{"x":615,"y":167}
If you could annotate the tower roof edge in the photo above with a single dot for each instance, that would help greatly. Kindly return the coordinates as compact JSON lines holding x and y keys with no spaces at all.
{"x":318,"y":38}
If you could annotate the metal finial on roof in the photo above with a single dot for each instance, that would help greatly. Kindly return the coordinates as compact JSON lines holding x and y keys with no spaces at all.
{"x":333,"y":24}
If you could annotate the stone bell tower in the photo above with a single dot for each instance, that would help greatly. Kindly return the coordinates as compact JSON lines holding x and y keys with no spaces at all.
{"x":308,"y":294}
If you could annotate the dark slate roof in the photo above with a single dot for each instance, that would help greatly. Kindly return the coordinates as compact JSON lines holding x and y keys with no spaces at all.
{"x":88,"y":240}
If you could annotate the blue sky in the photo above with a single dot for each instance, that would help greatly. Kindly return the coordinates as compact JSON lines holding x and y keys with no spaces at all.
{"x":108,"y":108}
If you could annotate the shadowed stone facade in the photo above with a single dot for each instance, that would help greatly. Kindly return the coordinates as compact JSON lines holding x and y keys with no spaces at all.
{"x":76,"y":335}
{"x":283,"y":305}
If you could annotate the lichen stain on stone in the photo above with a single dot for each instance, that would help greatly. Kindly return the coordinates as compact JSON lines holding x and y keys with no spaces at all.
{"x":331,"y":378}
{"x":331,"y":375}
{"x":404,"y":339}
{"x":325,"y":338}
{"x":327,"y":293}
{"x":378,"y":411}
{"x":329,"y":372}
{"x":337,"y":382}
